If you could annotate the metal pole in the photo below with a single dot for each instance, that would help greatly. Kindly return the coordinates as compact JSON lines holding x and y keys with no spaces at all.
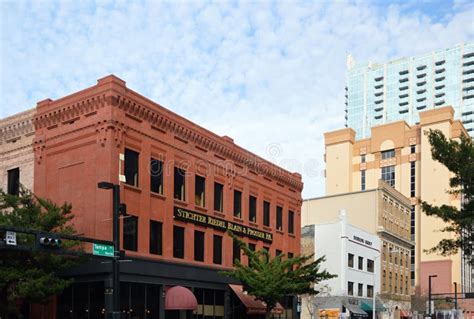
{"x":455,"y":296}
{"x":115,"y":261}
{"x":429,"y":295}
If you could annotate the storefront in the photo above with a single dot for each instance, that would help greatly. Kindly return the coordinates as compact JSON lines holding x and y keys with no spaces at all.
{"x":158,"y":290}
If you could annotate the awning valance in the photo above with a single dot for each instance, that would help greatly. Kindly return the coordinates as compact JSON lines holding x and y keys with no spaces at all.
{"x":252,"y":305}
{"x":369,"y":307}
{"x":180,"y":298}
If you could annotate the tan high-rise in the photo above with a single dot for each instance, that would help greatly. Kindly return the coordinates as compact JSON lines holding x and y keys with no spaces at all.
{"x":400,"y":154}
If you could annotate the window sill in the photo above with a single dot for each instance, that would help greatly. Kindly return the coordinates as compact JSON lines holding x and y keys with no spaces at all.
{"x":132,"y":188}
{"x":292,"y":235}
{"x":253,"y":224}
{"x":200,"y":208}
{"x":280,"y":232}
{"x":157,"y":195}
{"x":180,"y":202}
{"x":219,"y":214}
{"x":238,"y":219}
{"x":267,"y":228}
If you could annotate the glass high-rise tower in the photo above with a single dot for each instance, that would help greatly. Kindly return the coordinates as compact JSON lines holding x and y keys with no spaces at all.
{"x":399,"y":89}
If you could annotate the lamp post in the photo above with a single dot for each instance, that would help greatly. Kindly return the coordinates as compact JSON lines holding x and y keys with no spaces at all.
{"x":429,"y":292}
{"x":116,"y":240}
{"x":373,"y":292}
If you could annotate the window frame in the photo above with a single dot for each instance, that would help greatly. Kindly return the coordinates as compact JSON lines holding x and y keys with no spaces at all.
{"x":13,"y":181}
{"x":291,"y":222}
{"x":129,"y":168}
{"x":218,"y":200}
{"x":130,"y":240}
{"x":237,"y":204}
{"x":266,"y":213}
{"x":200,"y":191}
{"x":158,"y":241}
{"x":350,"y":260}
{"x":178,"y":252}
{"x":199,"y":245}
{"x":217,"y":249}
{"x":252,"y":208}
{"x":156,"y":176}
{"x":279,"y":218}
{"x":179,"y":193}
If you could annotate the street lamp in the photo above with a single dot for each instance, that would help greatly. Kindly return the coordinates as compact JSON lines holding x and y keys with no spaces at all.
{"x":116,"y":240}
{"x":373,"y":292}
{"x":429,"y":292}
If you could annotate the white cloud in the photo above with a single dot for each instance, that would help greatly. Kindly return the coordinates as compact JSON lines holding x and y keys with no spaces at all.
{"x":270,"y":75}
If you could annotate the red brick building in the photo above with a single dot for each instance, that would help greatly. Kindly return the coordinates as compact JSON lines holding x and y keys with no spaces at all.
{"x":184,"y":186}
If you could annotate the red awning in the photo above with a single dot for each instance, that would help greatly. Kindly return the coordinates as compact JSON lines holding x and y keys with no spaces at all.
{"x":252,"y":305}
{"x":405,"y":313}
{"x":180,"y":298}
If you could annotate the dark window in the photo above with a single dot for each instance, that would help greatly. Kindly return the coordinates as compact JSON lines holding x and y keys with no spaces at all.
{"x":370,"y":291}
{"x":266,"y":213}
{"x":130,"y":232}
{"x":350,"y":288}
{"x":278,"y":252}
{"x":279,"y":221}
{"x":412,"y":179}
{"x":178,"y":242}
{"x":179,"y":184}
{"x":350,"y":261}
{"x":253,"y":209}
{"x":217,"y":259}
{"x":235,"y":251}
{"x":370,"y":265}
{"x":361,"y":263}
{"x":360,"y":289}
{"x":198,"y":245}
{"x":131,"y":167}
{"x":252,"y":247}
{"x":413,"y":149}
{"x":13,"y":187}
{"x":290,"y":255}
{"x":200,"y":191}
{"x":237,"y":204}
{"x":156,"y":237}
{"x":388,"y":175}
{"x":388,"y":154}
{"x":291,"y":222}
{"x":218,"y":197}
{"x":362,"y":180}
{"x":362,"y":158}
{"x":156,"y":176}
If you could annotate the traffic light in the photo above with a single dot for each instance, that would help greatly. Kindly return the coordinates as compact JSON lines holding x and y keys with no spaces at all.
{"x":50,"y":242}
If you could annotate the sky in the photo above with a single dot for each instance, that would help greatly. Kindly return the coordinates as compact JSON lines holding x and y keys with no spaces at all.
{"x":271,"y":75}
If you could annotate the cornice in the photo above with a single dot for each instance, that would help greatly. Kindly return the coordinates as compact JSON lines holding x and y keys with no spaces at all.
{"x":16,"y":126}
{"x":222,"y":147}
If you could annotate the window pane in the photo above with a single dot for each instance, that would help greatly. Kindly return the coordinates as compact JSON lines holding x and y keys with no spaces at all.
{"x":388,"y":175}
{"x":217,"y":249}
{"x":388,"y":154}
{"x":178,"y":242}
{"x":131,"y":167}
{"x":130,"y":232}
{"x":218,"y":197}
{"x":291,"y":221}
{"x":361,"y":263}
{"x":253,"y":209}
{"x":235,"y":251}
{"x":156,"y":237}
{"x":279,"y":221}
{"x":200,"y":191}
{"x":13,"y":187}
{"x":350,"y":288}
{"x":198,"y":245}
{"x":237,"y":204}
{"x":179,"y":184}
{"x":156,"y":176}
{"x":350,"y":260}
{"x":266,"y":213}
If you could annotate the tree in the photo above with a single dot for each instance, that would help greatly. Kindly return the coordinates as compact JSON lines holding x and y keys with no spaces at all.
{"x":269,"y":279}
{"x":26,"y":275}
{"x":458,"y":157}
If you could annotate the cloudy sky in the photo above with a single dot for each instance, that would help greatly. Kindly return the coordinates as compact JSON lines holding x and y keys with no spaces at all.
{"x":269,"y":74}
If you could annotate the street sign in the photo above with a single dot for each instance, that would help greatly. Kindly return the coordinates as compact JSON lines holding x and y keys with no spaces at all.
{"x":11,"y":238}
{"x":103,"y":250}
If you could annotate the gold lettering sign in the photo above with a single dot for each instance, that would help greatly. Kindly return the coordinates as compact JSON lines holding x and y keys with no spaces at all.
{"x":221,"y":224}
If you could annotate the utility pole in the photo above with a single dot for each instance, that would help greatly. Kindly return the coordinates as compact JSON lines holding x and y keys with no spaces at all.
{"x":429,"y":292}
{"x":455,"y":296}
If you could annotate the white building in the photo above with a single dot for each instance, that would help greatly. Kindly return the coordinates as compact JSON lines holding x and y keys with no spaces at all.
{"x":353,"y":255}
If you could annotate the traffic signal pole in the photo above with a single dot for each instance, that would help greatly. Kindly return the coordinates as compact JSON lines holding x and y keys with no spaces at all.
{"x":115,"y":261}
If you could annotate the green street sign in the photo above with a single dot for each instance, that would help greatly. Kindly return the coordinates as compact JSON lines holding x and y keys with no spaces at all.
{"x":103,"y":250}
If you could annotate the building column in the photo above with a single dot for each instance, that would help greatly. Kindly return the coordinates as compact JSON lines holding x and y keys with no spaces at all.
{"x":108,"y":294}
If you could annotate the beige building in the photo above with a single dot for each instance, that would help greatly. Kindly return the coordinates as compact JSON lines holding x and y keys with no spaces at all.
{"x":400,"y":154}
{"x":383,"y":211}
{"x":16,"y":151}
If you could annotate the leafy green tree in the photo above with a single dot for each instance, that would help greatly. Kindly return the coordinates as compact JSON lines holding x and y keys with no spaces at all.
{"x":26,"y":275}
{"x":270,"y":279}
{"x":458,"y":157}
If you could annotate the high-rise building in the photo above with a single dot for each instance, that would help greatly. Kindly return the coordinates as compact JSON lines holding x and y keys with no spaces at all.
{"x":400,"y":155}
{"x":400,"y":89}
